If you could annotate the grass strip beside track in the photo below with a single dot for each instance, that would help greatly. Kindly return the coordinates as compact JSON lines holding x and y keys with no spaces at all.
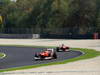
{"x":89,"y":53}
{"x":2,"y":55}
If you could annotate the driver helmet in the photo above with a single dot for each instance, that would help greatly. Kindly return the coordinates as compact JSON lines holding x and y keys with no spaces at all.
{"x":62,"y":44}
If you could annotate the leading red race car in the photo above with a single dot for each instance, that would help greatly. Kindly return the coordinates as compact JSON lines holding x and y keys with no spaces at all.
{"x":62,"y":48}
{"x":46,"y":55}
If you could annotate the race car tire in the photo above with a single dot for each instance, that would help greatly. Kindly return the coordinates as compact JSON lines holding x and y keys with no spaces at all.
{"x":55,"y":55}
{"x":57,"y":49}
{"x":36,"y":55}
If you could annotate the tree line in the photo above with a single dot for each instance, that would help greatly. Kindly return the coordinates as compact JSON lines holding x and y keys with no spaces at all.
{"x":73,"y":16}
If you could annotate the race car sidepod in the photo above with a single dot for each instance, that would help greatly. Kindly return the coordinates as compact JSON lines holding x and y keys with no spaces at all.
{"x":61,"y":49}
{"x":41,"y":56}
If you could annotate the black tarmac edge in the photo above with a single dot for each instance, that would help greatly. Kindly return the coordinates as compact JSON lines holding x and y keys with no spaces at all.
{"x":24,"y":56}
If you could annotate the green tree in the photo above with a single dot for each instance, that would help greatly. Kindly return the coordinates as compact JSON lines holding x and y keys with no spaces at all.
{"x":3,"y":4}
{"x":75,"y":16}
{"x":82,"y":15}
{"x":18,"y":13}
{"x":98,"y":16}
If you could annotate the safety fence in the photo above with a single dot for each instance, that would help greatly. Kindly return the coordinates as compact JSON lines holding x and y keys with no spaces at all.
{"x":50,"y":36}
{"x":58,"y":33}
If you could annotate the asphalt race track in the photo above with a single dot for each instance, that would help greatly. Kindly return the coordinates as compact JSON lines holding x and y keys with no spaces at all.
{"x":23,"y":56}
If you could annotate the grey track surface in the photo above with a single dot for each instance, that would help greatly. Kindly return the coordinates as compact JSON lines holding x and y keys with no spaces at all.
{"x":24,"y":56}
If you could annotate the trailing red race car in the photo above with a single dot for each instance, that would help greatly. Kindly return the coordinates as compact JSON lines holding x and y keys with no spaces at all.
{"x":46,"y":55}
{"x":62,"y":48}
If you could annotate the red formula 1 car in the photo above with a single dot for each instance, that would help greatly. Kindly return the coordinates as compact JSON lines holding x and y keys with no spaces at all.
{"x":46,"y":55}
{"x":62,"y":48}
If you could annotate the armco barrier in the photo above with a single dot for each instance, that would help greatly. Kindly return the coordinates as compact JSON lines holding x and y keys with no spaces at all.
{"x":48,"y":36}
{"x":66,"y":36}
{"x":16,"y":36}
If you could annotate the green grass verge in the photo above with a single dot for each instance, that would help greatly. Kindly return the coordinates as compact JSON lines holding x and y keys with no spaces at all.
{"x":89,"y":53}
{"x":2,"y":55}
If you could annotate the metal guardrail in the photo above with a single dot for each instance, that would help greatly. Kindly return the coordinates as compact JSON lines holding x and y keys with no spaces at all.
{"x":18,"y":36}
{"x":58,"y":33}
{"x":49,"y":36}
